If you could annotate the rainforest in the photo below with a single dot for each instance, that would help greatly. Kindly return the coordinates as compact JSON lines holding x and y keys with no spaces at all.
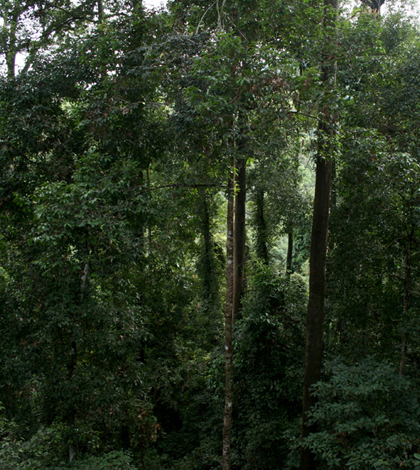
{"x":209,"y":235}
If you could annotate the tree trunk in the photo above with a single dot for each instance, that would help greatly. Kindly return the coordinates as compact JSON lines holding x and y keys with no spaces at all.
{"x":235,"y":254}
{"x":210,"y":291}
{"x":261,"y":236}
{"x":239,"y":239}
{"x":227,"y":417}
{"x":149,"y":228}
{"x":403,"y":351}
{"x":10,"y":27}
{"x":318,"y":252}
{"x":315,"y":316}
{"x":72,"y":365}
{"x":101,"y":16}
{"x":207,"y":255}
{"x":289,"y":252}
{"x":72,"y":415}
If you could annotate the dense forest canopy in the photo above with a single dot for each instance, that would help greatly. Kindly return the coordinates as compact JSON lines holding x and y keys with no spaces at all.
{"x":208,"y":212}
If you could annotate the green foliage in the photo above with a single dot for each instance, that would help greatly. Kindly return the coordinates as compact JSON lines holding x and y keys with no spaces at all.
{"x":48,"y":448}
{"x":374,"y":235}
{"x":196,"y":445}
{"x":115,"y":145}
{"x":368,"y":417}
{"x":116,"y":460}
{"x":269,"y":344}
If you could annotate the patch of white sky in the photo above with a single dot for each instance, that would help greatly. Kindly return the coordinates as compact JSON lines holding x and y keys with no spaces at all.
{"x":412,"y":7}
{"x":154,"y":4}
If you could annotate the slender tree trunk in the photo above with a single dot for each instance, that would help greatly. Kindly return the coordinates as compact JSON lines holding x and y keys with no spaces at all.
{"x":11,"y":51}
{"x":208,"y":275}
{"x":333,"y":204}
{"x":261,"y":237}
{"x":139,"y":229}
{"x":71,"y":367}
{"x":207,"y":261}
{"x":227,"y":417}
{"x":72,"y":416}
{"x":101,"y":16}
{"x":319,"y":238}
{"x":10,"y":60}
{"x":72,"y":413}
{"x":149,"y":228}
{"x":239,"y":238}
{"x":289,"y":251}
{"x":403,"y":351}
{"x":235,"y":274}
{"x":315,"y":316}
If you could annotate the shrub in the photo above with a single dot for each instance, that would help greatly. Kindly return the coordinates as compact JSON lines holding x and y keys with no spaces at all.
{"x":368,"y":417}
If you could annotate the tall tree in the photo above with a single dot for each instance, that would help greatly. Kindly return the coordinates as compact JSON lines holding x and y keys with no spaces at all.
{"x":229,"y":320}
{"x":318,"y":251}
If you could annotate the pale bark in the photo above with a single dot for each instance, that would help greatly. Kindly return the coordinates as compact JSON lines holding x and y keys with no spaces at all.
{"x":10,"y":25}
